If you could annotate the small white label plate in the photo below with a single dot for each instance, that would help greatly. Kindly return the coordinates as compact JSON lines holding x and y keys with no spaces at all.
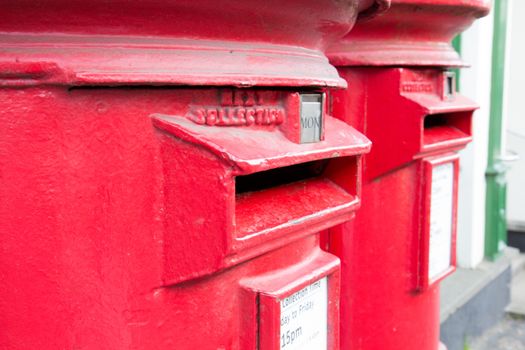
{"x":441,"y":205}
{"x":304,"y":318}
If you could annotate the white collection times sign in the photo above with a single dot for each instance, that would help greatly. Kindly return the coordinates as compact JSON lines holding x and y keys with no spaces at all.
{"x":304,"y":318}
{"x":441,"y":210}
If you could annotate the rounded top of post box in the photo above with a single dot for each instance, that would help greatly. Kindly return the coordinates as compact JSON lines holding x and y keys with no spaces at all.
{"x":184,"y":42}
{"x":410,"y":33}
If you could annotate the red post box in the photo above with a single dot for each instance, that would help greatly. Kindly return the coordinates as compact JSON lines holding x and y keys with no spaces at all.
{"x":402,"y":243}
{"x":166,"y":170}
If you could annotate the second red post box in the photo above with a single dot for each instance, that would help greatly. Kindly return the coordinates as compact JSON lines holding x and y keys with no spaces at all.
{"x":402,"y":95}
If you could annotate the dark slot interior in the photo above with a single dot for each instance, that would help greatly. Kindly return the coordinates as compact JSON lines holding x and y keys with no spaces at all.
{"x":280,"y":176}
{"x":432,"y":121}
{"x":458,"y":120}
{"x":446,"y":127}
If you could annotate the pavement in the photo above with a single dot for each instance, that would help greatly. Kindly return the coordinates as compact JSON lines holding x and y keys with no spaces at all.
{"x":509,"y":333}
{"x":517,"y":292}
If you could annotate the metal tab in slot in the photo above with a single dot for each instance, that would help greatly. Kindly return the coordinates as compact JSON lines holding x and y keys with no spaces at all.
{"x":449,"y":85}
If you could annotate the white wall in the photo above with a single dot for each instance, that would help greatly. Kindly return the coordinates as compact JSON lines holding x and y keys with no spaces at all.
{"x":515,"y":113}
{"x":476,"y":48}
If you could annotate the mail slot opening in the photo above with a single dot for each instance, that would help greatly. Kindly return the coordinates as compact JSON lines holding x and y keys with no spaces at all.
{"x":280,"y":176}
{"x":443,"y":127}
{"x":293,"y":194}
{"x":436,"y":120}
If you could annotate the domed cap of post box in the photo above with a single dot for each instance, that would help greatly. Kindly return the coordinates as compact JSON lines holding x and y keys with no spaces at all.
{"x":410,"y":33}
{"x":161,"y":42}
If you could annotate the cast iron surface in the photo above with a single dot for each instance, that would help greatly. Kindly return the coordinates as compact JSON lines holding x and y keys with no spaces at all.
{"x":410,"y":33}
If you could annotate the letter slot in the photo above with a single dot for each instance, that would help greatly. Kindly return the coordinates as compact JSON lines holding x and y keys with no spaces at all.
{"x":254,"y":187}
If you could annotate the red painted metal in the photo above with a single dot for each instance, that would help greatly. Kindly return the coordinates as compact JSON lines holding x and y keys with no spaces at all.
{"x":254,"y":222}
{"x":390,"y":231}
{"x":272,"y":43}
{"x":408,"y":35}
{"x":154,"y":195}
{"x":415,"y":120}
{"x":416,"y":96}
{"x":112,"y":198}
